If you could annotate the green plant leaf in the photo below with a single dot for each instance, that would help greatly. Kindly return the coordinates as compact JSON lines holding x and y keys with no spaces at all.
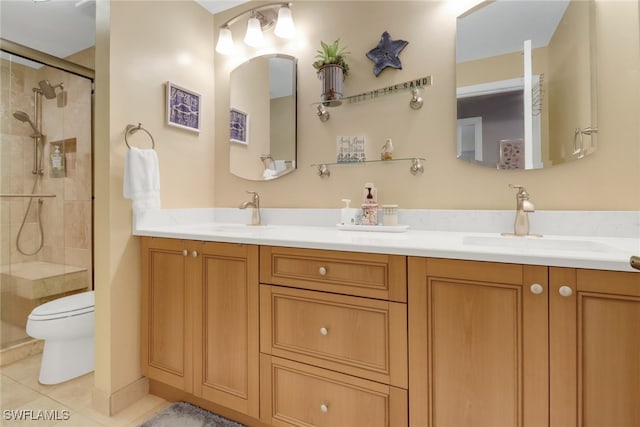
{"x":332,"y":53}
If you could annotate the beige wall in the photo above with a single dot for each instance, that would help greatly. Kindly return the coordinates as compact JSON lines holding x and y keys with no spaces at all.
{"x":86,"y":58}
{"x":140,"y":45}
{"x":600,"y":182}
{"x":568,"y":89}
{"x":282,"y":139}
{"x":501,"y":67}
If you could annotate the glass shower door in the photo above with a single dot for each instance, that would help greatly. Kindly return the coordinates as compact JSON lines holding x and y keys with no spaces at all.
{"x":46,"y":187}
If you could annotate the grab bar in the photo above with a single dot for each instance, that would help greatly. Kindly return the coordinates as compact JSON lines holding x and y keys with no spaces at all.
{"x":28,"y":195}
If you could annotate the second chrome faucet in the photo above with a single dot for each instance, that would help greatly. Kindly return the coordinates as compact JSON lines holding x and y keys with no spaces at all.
{"x":255,"y":205}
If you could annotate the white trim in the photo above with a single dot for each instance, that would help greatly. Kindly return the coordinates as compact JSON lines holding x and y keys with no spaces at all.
{"x":528,"y":108}
{"x":498,"y":86}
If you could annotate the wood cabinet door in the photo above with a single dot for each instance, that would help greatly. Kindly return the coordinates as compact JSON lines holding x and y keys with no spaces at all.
{"x":357,"y":336}
{"x":166,"y":331}
{"x":366,"y":275}
{"x":477,"y":344}
{"x":226,"y":334}
{"x":595,"y":348}
{"x":300,"y":395}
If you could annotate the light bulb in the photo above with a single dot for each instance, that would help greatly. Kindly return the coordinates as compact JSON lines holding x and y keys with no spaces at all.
{"x":253,"y":37}
{"x":225,"y":41}
{"x":285,"y":27}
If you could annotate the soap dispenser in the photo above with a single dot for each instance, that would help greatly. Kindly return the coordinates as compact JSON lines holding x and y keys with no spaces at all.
{"x":370,"y":205}
{"x":348,"y":216}
{"x":58,"y":167}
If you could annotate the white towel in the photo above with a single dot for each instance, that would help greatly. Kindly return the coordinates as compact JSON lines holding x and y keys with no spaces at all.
{"x":142,"y":179}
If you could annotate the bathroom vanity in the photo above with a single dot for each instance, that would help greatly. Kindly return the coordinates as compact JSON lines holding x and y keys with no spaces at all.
{"x":293,"y":326}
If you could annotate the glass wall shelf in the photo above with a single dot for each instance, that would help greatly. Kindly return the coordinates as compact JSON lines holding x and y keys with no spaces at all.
{"x":416,"y":165}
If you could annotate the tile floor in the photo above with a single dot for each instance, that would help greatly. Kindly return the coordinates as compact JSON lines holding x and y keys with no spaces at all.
{"x":22,"y":394}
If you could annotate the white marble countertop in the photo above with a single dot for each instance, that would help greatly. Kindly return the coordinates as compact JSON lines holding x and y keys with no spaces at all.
{"x":590,"y":251}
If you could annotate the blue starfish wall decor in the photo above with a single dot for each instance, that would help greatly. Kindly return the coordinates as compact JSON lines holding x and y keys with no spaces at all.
{"x":386,"y":53}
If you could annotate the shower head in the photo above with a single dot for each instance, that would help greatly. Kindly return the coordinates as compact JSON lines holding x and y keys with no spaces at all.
{"x":49,"y":92}
{"x":47,"y":89}
{"x":24,"y":118}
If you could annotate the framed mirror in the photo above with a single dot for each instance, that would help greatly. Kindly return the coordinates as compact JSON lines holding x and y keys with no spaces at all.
{"x":525,"y":83}
{"x":262,"y":117}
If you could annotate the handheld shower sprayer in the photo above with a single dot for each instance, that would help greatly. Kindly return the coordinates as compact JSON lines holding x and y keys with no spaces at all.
{"x":24,"y":118}
{"x":37,"y":141}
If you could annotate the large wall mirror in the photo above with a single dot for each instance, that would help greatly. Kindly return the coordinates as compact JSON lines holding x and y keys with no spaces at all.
{"x":262,"y":116}
{"x":525,"y":83}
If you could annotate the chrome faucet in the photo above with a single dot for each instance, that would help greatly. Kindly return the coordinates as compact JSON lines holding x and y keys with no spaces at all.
{"x":523,"y":207}
{"x":255,"y":204}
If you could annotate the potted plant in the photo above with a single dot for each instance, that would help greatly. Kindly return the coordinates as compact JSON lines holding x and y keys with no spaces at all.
{"x":332,"y":69}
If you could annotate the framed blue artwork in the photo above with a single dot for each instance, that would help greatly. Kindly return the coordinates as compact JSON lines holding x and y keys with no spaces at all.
{"x":238,"y":126}
{"x":183,"y":108}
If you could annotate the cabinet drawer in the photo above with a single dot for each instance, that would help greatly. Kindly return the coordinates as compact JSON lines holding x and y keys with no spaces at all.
{"x":358,"y":336}
{"x":294,"y":394}
{"x":368,"y":275}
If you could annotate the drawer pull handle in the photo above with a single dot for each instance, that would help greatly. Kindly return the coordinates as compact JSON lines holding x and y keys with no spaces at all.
{"x":194,"y":254}
{"x":536,"y":289}
{"x":324,"y":408}
{"x":324,"y":331}
{"x":185,"y":252}
{"x":322,"y":271}
{"x":565,"y":291}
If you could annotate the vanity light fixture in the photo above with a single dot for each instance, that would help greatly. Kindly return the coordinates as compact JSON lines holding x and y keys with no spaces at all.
{"x":285,"y":27}
{"x":225,"y":41}
{"x":253,"y":36}
{"x":261,"y":18}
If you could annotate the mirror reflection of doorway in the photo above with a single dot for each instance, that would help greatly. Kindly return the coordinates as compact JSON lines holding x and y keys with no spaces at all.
{"x":470,"y":139}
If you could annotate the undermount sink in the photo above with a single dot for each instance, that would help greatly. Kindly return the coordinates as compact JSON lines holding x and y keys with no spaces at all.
{"x":227,"y":228}
{"x":537,"y":243}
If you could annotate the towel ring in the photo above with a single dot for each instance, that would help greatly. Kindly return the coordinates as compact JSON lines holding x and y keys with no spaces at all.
{"x":131,"y":129}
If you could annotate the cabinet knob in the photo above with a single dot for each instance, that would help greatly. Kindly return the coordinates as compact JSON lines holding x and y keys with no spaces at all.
{"x":322,"y":271}
{"x":194,"y":254}
{"x":536,"y":288}
{"x":565,"y":291}
{"x":324,"y":408}
{"x":324,"y":331}
{"x":185,"y":252}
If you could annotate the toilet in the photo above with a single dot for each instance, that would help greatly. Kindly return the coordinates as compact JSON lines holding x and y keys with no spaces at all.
{"x":66,"y":326}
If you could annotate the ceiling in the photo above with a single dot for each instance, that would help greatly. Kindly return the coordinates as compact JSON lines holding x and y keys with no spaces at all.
{"x":62,"y":27}
{"x":501,"y":27}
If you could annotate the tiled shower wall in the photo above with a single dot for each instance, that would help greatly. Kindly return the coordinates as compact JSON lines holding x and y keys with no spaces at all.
{"x":67,"y":218}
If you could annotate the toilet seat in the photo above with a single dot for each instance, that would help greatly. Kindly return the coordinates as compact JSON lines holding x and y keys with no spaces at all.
{"x":73,"y":305}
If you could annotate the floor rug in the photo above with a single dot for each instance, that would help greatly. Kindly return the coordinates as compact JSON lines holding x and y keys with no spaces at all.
{"x":181,"y":414}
